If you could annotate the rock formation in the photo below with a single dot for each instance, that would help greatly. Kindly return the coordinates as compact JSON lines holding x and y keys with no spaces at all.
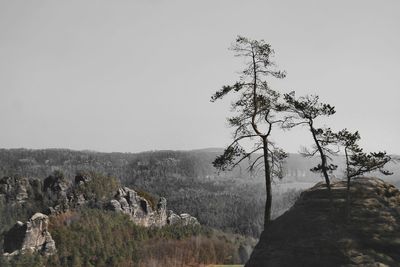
{"x":18,"y":190}
{"x":142,"y":212}
{"x":56,"y":195}
{"x":53,"y":195}
{"x":312,"y":233}
{"x":183,"y":219}
{"x":138,"y":208}
{"x":56,"y":191}
{"x":33,"y":236}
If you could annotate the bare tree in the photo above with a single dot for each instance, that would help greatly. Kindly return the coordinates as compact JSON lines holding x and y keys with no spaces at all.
{"x":256,"y":108}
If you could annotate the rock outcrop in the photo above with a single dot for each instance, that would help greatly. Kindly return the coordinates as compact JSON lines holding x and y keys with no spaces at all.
{"x":183,"y":219}
{"x":138,"y":208}
{"x":56,"y":191}
{"x":312,"y":233}
{"x":17,"y":190}
{"x":32,"y":236}
{"x":143,"y":212}
{"x":55,"y":195}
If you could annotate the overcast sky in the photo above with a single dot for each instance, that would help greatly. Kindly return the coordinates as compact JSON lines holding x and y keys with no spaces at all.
{"x":138,"y":75}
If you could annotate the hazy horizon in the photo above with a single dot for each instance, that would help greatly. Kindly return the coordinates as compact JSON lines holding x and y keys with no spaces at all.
{"x":138,"y":76}
{"x":214,"y":149}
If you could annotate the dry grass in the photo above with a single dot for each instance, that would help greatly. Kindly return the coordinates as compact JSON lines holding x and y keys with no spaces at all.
{"x":194,"y":251}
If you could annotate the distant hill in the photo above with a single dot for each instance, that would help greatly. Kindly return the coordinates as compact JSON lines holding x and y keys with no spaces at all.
{"x":41,"y":162}
{"x":195,"y":164}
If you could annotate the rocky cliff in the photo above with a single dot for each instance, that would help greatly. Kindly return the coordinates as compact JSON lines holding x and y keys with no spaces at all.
{"x":32,"y":236}
{"x":312,"y":233}
{"x":142,"y":212}
{"x":55,"y":195}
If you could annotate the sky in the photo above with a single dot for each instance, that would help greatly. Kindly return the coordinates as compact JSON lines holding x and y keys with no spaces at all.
{"x":137,"y":75}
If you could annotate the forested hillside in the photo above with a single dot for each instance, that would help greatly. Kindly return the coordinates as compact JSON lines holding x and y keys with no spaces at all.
{"x":230,"y":201}
{"x":84,"y":230}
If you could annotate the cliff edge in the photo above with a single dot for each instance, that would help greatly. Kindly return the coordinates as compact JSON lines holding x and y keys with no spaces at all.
{"x":311,"y":233}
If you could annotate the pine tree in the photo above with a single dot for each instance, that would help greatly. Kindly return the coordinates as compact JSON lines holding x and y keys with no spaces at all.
{"x":256,"y":108}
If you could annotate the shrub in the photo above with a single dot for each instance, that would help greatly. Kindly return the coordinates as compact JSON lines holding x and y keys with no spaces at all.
{"x":99,"y":187}
{"x":153,"y":200}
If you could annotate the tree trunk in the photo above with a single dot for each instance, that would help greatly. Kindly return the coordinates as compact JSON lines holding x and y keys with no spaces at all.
{"x":268,"y":202}
{"x":323,"y":166}
{"x":348,"y":185}
{"x":323,"y":158}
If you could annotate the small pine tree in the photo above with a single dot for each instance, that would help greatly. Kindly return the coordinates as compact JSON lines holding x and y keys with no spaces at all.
{"x":359,"y":162}
{"x":306,"y":110}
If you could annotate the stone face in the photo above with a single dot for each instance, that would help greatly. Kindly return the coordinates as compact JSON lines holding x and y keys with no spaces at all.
{"x":138,"y":208}
{"x":32,"y":236}
{"x":312,"y":233}
{"x":141,"y":212}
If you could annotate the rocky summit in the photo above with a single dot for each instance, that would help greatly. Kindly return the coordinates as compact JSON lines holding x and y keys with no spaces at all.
{"x":319,"y":232}
{"x":141,"y":211}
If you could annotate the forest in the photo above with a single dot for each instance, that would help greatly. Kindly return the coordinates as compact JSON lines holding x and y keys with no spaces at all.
{"x":228,"y":201}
